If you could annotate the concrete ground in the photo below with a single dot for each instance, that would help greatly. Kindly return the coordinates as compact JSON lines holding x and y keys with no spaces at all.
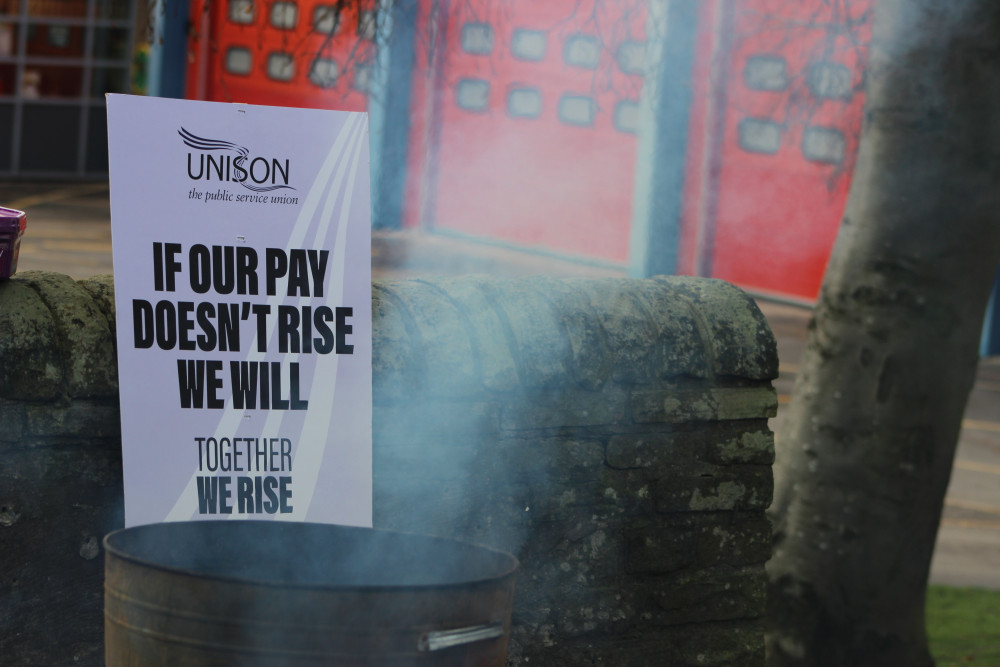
{"x":69,"y":232}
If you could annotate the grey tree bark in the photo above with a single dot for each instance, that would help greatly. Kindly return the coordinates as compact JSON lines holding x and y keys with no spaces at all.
{"x":866,"y":447}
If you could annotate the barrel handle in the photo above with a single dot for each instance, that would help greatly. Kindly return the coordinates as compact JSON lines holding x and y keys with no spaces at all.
{"x":439,"y":639}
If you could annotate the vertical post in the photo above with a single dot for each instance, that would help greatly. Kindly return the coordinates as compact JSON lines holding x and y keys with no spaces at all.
{"x":168,"y":50}
{"x":989,"y":344}
{"x":389,"y":110}
{"x":663,"y":137}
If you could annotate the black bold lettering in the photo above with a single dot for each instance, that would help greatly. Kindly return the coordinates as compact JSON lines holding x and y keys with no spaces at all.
{"x":214,"y":385}
{"x":185,"y":309}
{"x":295,"y":403}
{"x":208,"y":495}
{"x":288,"y":329}
{"x":246,"y":270}
{"x":306,"y":333}
{"x":285,"y":494}
{"x":298,"y":273}
{"x":142,"y":324}
{"x":276,"y":266}
{"x":323,"y":342}
{"x":207,"y":339}
{"x":225,"y":495}
{"x":277,"y":402}
{"x":166,"y":325}
{"x":317,"y":266}
{"x":158,"y":258}
{"x":224,"y":268}
{"x":200,"y":263}
{"x":244,"y":495}
{"x":343,"y":330}
{"x":243,"y":377}
{"x":173,"y":266}
{"x":191,"y":382}
{"x":229,"y":327}
{"x":271,"y":504}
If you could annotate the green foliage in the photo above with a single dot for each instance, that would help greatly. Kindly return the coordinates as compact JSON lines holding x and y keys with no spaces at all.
{"x":963,"y":626}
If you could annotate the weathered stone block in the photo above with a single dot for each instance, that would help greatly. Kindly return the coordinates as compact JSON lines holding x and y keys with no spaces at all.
{"x":540,"y":346}
{"x":56,"y":504}
{"x":86,"y":339}
{"x":723,"y":644}
{"x":712,"y":489}
{"x":654,"y":450}
{"x":741,"y":342}
{"x":675,"y":406}
{"x":11,"y":421}
{"x":703,"y":540}
{"x":442,"y":337}
{"x":421,"y":422}
{"x":592,"y":359}
{"x":754,"y":447}
{"x":715,"y":594}
{"x":396,"y":366}
{"x":30,"y":346}
{"x":630,"y":329}
{"x":102,"y":290}
{"x":73,"y":420}
{"x":563,"y":407}
{"x":681,"y":349}
{"x":489,"y":330}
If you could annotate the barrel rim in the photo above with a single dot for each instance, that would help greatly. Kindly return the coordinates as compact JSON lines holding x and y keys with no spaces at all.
{"x":509,"y":568}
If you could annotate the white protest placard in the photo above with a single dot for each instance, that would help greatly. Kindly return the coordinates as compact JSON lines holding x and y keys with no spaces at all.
{"x":241,"y":242}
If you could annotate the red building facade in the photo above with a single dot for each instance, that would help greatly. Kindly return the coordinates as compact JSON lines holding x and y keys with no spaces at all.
{"x":518,"y":122}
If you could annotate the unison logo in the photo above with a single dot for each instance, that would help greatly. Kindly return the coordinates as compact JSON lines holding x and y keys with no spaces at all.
{"x":219,"y":160}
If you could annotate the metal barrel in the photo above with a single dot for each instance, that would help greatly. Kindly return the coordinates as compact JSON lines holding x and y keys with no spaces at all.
{"x":254,"y":593}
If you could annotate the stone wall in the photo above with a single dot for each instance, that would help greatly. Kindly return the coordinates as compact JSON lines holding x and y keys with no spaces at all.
{"x":60,"y":466}
{"x":611,"y":433}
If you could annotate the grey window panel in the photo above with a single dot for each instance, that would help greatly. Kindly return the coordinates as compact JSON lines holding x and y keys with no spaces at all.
{"x":824,"y":144}
{"x":477,"y":39}
{"x":632,"y":57}
{"x":239,"y":60}
{"x":582,"y":51}
{"x":241,"y":11}
{"x":284,"y":15}
{"x":528,"y":44}
{"x":49,"y":137}
{"x":366,"y":25}
{"x":362,"y":80}
{"x":97,"y":140}
{"x":58,"y":36}
{"x":324,"y":72}
{"x":326,"y":20}
{"x":281,"y":66}
{"x":830,"y":81}
{"x":766,"y":73}
{"x":576,"y":110}
{"x":7,"y":136}
{"x":627,"y":116}
{"x":757,"y":135}
{"x":524,"y":103}
{"x":108,"y":80}
{"x":473,"y":94}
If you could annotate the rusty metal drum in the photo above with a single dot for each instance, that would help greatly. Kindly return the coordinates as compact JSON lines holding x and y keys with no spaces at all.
{"x":272,"y":593}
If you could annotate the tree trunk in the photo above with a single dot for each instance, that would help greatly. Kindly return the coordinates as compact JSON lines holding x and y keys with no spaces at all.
{"x":866,"y":446}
